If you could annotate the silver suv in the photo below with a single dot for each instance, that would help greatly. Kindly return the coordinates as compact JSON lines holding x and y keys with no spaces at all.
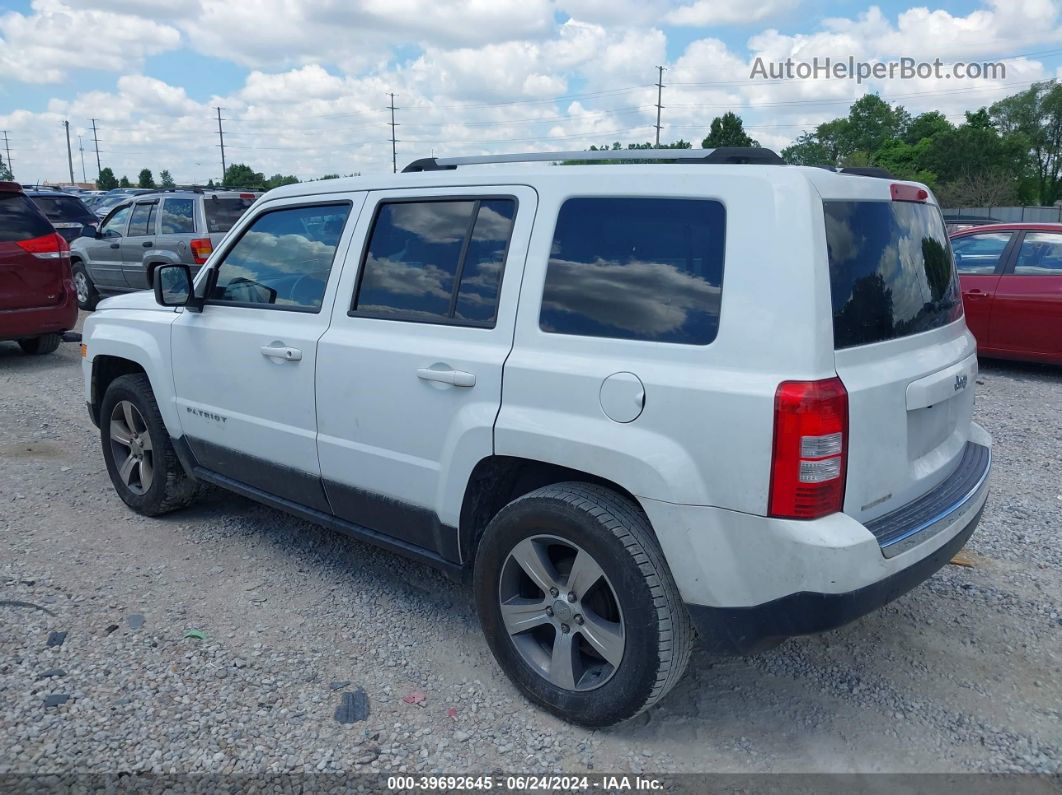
{"x":163,"y":228}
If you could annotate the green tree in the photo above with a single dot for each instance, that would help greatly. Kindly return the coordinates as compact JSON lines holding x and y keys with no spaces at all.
{"x":165,"y":179}
{"x":124,"y":182}
{"x":926,"y":125}
{"x":240,"y":175}
{"x":727,"y":130}
{"x":5,"y":171}
{"x":106,"y":180}
{"x":277,"y":180}
{"x":146,"y":179}
{"x":1036,"y":116}
{"x":807,"y":150}
{"x":870,"y":124}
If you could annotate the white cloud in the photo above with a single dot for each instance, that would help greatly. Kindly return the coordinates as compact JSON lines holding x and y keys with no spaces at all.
{"x":704,"y":13}
{"x":43,"y":46}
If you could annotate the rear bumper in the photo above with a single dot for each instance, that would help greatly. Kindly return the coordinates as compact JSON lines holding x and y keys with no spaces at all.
{"x":20,"y":323}
{"x":745,"y":630}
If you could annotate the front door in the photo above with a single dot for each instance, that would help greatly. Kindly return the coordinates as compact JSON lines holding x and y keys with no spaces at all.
{"x":244,"y":366}
{"x":105,"y":252}
{"x":409,"y":372}
{"x":1027,"y":316}
{"x":138,"y":241}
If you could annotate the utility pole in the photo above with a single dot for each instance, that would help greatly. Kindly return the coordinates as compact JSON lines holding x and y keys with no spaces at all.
{"x":69,"y":154}
{"x":96,"y":141}
{"x":7,"y":148}
{"x":659,"y":95}
{"x":81,"y":148}
{"x":394,"y":141}
{"x":221,"y":137}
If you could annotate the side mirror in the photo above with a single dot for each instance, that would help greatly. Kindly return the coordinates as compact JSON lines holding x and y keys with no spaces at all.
{"x":173,"y":285}
{"x":96,"y":233}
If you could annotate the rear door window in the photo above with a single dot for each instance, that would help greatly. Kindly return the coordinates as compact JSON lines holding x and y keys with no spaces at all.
{"x":891,"y":270}
{"x":177,"y":217}
{"x":980,"y":253}
{"x":636,"y":268}
{"x":143,"y":220}
{"x":222,"y":214}
{"x":1040,"y":254}
{"x":20,"y":219}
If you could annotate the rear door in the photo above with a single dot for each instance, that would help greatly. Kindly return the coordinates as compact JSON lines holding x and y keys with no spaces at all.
{"x":901,"y":348}
{"x":26,"y":281}
{"x":979,"y":260}
{"x":138,"y":241}
{"x":1027,"y":317}
{"x":410,"y":370}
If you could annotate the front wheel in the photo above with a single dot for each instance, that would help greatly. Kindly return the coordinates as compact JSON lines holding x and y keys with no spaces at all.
{"x":140,"y":458}
{"x":578,"y":604}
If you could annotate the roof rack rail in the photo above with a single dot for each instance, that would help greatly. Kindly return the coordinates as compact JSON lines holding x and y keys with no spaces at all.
{"x":724,"y":154}
{"x":868,"y":171}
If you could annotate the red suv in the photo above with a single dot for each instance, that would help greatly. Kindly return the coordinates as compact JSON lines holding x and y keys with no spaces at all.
{"x":37,"y":298}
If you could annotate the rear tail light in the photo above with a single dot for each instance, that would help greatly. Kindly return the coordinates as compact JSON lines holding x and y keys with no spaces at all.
{"x":246,"y":195}
{"x":201,"y":249}
{"x":50,"y":246}
{"x":810,"y":449}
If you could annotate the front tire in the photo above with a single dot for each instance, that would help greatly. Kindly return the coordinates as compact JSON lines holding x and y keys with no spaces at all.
{"x":578,"y":605}
{"x":87,"y":294}
{"x":140,"y":458}
{"x":38,"y":346}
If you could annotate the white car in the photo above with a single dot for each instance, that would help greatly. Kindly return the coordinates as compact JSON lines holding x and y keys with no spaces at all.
{"x":718,"y":394}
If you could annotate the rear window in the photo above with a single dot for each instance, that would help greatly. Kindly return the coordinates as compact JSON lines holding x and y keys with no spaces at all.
{"x":222,"y":214}
{"x":20,"y":219}
{"x":636,"y":268}
{"x":891,"y":270}
{"x":64,"y":209}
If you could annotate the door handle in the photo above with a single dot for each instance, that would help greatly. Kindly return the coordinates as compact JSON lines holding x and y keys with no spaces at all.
{"x":452,"y":377}
{"x":282,"y":352}
{"x":147,"y":244}
{"x":976,"y":293}
{"x":114,"y":245}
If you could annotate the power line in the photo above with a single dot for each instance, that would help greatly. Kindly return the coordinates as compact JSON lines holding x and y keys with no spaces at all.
{"x":659,"y":94}
{"x":81,"y":148}
{"x":394,"y":141}
{"x":221,"y":137}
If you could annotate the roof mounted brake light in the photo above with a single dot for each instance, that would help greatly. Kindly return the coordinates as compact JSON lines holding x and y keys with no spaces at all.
{"x":908,"y":193}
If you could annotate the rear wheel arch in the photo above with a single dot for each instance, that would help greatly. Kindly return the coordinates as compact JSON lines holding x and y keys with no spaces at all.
{"x":497,"y":480}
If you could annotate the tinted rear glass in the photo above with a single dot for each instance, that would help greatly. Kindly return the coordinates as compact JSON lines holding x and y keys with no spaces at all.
{"x":638,"y":269}
{"x":222,"y":214}
{"x":64,"y":208}
{"x":20,"y":219}
{"x":891,"y":270}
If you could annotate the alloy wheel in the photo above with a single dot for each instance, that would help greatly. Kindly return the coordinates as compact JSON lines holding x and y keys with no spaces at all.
{"x":131,"y":445}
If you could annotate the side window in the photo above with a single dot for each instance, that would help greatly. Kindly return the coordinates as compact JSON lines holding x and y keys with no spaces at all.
{"x":115,"y":225}
{"x":436,"y":261}
{"x":178,"y":217}
{"x":143,"y":220}
{"x":283,"y":258}
{"x":979,"y":253}
{"x":639,"y":269}
{"x":1040,"y":253}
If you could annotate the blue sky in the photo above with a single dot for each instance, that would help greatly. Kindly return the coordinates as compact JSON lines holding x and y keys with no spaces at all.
{"x":304,"y":84}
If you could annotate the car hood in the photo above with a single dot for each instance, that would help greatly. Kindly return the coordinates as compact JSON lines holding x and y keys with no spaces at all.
{"x":143,"y":299}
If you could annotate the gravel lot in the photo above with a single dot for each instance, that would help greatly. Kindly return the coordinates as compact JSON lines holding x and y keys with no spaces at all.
{"x":962,"y":674}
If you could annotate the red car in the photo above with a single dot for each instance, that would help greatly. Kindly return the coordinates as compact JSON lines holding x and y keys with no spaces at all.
{"x":37,"y":297}
{"x":1011,"y":277}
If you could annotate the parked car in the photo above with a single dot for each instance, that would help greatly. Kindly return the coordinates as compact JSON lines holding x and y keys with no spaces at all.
{"x":626,"y":402}
{"x":104,"y":204}
{"x":149,"y":230}
{"x":956,"y":223}
{"x":68,"y":214}
{"x":1011,"y":276}
{"x":37,"y":301}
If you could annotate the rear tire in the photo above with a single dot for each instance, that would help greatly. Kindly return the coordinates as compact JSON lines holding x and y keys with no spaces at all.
{"x":38,"y":346}
{"x":615,"y":638}
{"x":140,"y":458}
{"x":87,"y":294}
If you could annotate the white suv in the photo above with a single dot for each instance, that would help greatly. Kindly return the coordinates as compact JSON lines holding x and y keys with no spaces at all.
{"x":718,"y":394}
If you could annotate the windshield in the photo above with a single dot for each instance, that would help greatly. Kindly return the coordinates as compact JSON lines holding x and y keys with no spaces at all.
{"x":64,"y":208}
{"x":891,"y":270}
